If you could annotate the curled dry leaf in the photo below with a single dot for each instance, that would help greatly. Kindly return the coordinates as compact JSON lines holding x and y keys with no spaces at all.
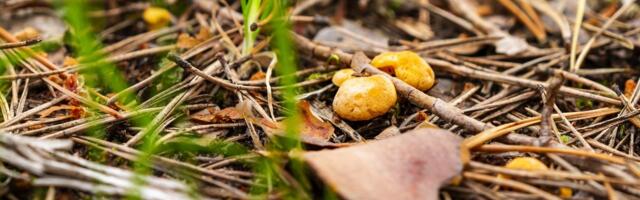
{"x":629,"y":87}
{"x":511,"y":45}
{"x":258,"y":76}
{"x":415,"y":28}
{"x":411,"y":166}
{"x":185,"y":41}
{"x":313,"y":130}
{"x":216,"y":116}
{"x":69,"y":61}
{"x":75,"y":112}
{"x":388,"y":132}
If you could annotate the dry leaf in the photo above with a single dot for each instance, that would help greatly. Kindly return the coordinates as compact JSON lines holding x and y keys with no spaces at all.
{"x":313,"y":130}
{"x":75,"y":112}
{"x":629,"y":87}
{"x":388,"y":132}
{"x":229,"y":114}
{"x":258,"y":76}
{"x":466,"y":49}
{"x":411,"y":166}
{"x":71,"y":82}
{"x":185,"y":41}
{"x":415,"y":28}
{"x":426,"y":124}
{"x":69,"y":61}
{"x":203,"y":35}
{"x":511,"y":45}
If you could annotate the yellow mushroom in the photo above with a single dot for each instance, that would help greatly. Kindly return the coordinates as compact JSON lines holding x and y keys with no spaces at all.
{"x":533,"y":164}
{"x":28,"y":33}
{"x":156,"y":17}
{"x":408,"y":67}
{"x":342,"y":75}
{"x":364,"y":98}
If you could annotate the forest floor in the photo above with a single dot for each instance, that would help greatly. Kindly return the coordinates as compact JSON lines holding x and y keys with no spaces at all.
{"x":319,"y":99}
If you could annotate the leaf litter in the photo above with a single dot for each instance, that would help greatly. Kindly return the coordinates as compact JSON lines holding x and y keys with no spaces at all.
{"x":553,"y":81}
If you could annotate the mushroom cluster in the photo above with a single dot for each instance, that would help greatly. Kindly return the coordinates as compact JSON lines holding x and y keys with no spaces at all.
{"x":365,"y":98}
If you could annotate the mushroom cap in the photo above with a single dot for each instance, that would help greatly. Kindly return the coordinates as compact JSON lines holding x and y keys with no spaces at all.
{"x":28,"y":33}
{"x":342,"y":75}
{"x":156,"y":17}
{"x":408,"y":67}
{"x":526,"y":163}
{"x":533,"y":164}
{"x":364,"y":98}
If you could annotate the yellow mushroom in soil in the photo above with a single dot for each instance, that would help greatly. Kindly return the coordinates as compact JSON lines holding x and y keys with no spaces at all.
{"x":533,"y":164}
{"x":408,"y":67}
{"x":156,"y":17}
{"x":364,"y":98}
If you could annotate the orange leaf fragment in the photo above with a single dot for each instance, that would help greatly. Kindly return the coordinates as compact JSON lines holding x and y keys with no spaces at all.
{"x":314,"y":130}
{"x":75,"y":112}
{"x":629,"y":87}
{"x":215,"y":116}
{"x":69,"y":61}
{"x":185,"y":41}
{"x":258,"y":76}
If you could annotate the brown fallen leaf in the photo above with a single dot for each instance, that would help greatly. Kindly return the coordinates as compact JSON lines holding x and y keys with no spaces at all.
{"x":629,"y":87}
{"x":411,"y":166}
{"x":185,"y":41}
{"x":258,"y":76}
{"x":313,"y":130}
{"x":75,"y":112}
{"x":388,"y":132}
{"x":211,"y":115}
{"x":415,"y":28}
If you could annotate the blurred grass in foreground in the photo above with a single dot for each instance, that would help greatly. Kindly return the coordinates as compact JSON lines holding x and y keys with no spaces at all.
{"x":105,"y":77}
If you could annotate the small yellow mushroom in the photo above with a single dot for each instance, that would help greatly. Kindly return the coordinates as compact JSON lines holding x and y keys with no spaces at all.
{"x":28,"y":33}
{"x":408,"y":67}
{"x":526,"y":163}
{"x":533,"y":164}
{"x":156,"y":17}
{"x":342,"y":75}
{"x":364,"y":98}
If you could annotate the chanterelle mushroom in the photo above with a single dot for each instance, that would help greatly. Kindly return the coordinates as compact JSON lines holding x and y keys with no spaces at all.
{"x":342,"y":75}
{"x":533,"y":164}
{"x":156,"y":17}
{"x":407,"y":66}
{"x":364,"y":98}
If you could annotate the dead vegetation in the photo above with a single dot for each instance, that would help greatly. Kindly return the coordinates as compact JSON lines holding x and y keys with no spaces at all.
{"x":368,"y":99}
